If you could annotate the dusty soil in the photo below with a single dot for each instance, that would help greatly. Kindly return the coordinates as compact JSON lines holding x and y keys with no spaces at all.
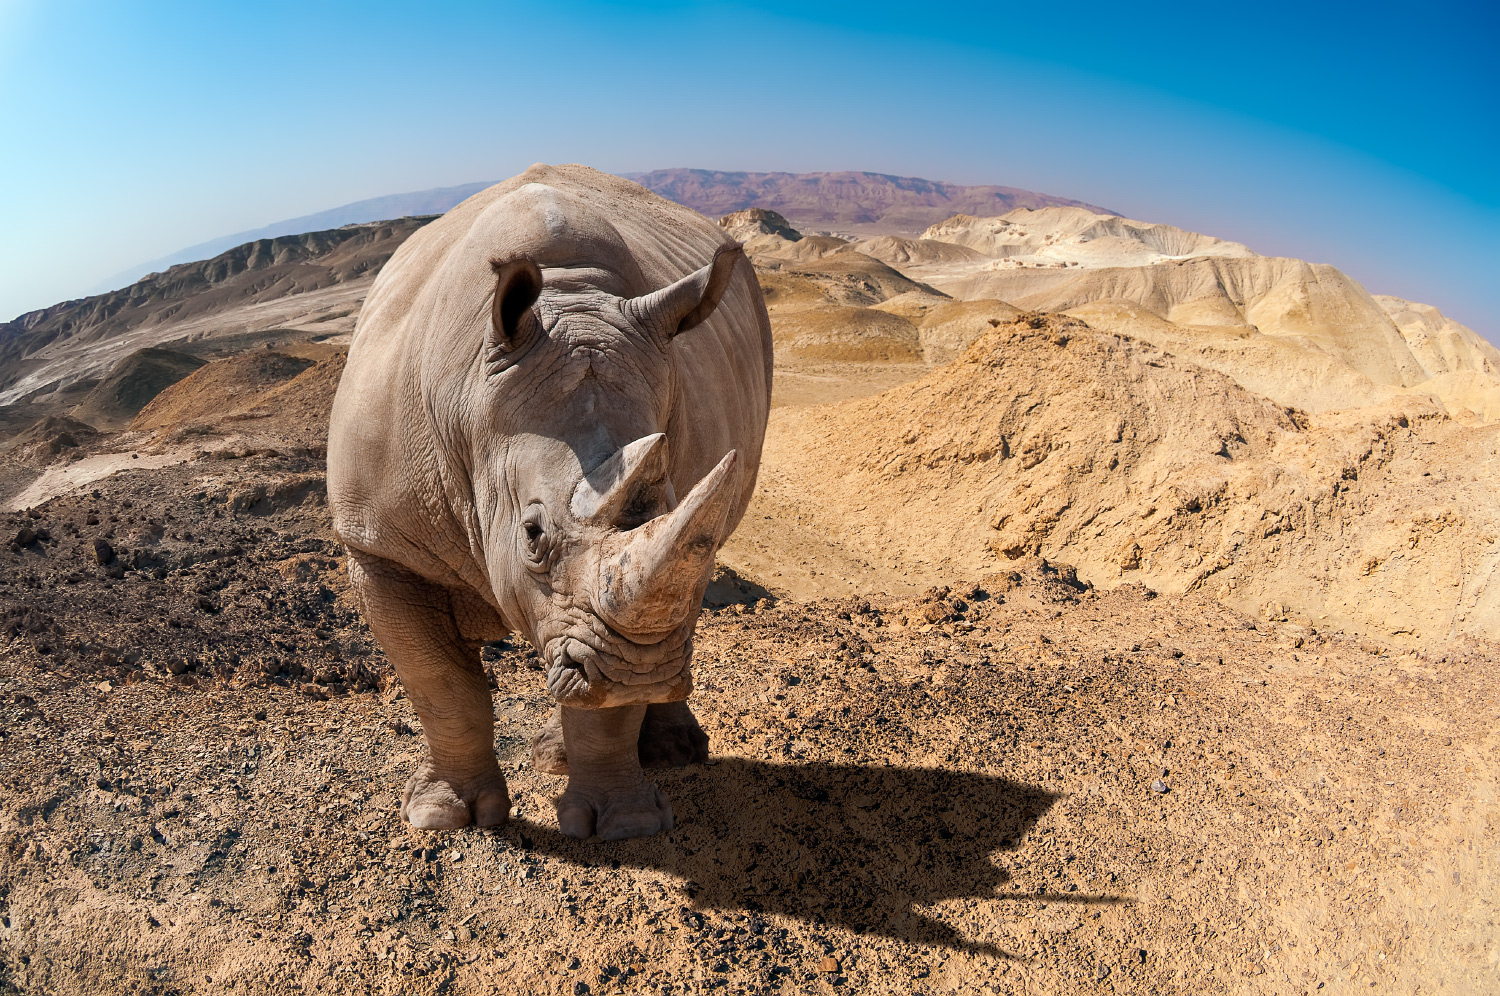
{"x":951,"y":792}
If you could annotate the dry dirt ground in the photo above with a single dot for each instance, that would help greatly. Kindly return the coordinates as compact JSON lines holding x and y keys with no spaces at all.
{"x":958,"y":791}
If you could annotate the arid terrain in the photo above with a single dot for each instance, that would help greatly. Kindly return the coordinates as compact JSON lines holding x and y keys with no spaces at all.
{"x":1116,"y":613}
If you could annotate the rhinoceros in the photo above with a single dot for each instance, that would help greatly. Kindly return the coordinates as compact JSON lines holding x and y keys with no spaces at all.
{"x":550,"y":420}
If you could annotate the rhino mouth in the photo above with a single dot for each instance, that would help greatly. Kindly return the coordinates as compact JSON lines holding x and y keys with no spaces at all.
{"x":582,"y":674}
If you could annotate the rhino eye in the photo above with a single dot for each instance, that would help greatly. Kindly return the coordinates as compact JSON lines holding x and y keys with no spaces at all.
{"x":534,"y":536}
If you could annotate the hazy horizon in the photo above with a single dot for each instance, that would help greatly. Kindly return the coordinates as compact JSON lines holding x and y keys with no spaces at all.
{"x":143,"y":133}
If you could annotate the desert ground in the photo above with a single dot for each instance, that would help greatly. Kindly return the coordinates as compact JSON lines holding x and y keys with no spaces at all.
{"x":1126,"y":626}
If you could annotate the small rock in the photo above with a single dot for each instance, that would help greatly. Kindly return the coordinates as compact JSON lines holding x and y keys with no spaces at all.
{"x":104,"y":554}
{"x":828,"y":964}
{"x":1159,"y":786}
{"x":25,"y":536}
{"x":464,"y":934}
{"x":455,"y":855}
{"x":1101,"y":972}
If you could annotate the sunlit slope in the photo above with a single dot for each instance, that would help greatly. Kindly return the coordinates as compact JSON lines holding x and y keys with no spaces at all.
{"x":1049,"y":437}
{"x":1303,"y":334}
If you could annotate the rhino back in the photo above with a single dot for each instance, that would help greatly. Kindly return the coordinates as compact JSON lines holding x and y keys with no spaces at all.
{"x":414,"y":381}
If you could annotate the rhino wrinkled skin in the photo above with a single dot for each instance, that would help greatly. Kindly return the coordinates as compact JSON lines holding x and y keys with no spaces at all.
{"x":550,"y":420}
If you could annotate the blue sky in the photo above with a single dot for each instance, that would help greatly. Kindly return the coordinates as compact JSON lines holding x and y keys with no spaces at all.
{"x":1360,"y":135}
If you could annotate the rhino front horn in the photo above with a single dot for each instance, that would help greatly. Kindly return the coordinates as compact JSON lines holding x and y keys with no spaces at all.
{"x":649,"y":586}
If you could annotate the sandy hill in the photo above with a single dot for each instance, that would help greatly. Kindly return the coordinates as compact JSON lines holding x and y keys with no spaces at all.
{"x":132,"y":384}
{"x":841,"y":277}
{"x":319,"y":275}
{"x":1300,"y":333}
{"x":820,"y":292}
{"x":1316,"y":305}
{"x":260,"y":398}
{"x":946,"y":327}
{"x":219,"y":389}
{"x":46,"y":439}
{"x":752,"y":222}
{"x":843,"y":201}
{"x":1077,"y":236}
{"x":1049,"y":437}
{"x":898,"y":251}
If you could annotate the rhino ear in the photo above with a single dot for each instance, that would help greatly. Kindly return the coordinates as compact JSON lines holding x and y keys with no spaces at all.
{"x":688,"y":302}
{"x":518,"y":283}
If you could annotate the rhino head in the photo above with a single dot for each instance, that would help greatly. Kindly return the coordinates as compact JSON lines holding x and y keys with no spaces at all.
{"x":592,"y":554}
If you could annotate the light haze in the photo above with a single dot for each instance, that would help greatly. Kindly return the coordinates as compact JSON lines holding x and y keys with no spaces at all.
{"x":1356,"y":137}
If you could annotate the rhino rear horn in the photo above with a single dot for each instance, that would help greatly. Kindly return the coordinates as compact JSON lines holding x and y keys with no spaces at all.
{"x":629,"y":488}
{"x":687,"y":303}
{"x":518,"y":283}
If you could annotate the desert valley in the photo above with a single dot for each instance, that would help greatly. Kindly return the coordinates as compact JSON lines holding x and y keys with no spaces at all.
{"x":1117,"y":611}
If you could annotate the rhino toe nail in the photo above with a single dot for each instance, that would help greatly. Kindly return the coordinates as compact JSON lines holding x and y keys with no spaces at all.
{"x":491,"y":809}
{"x":437,"y":817}
{"x":575,"y":819}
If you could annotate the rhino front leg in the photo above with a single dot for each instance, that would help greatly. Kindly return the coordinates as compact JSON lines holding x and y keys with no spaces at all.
{"x":607,"y":792}
{"x":670,"y":738}
{"x":459,"y":782}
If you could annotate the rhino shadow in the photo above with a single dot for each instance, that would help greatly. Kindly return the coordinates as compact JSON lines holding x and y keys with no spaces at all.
{"x":851,"y":845}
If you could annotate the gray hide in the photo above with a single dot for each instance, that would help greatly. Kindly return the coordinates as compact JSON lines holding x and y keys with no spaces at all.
{"x":550,"y":420}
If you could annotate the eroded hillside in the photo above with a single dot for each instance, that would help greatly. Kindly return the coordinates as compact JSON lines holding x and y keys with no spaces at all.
{"x":1300,"y":333}
{"x":294,"y":281}
{"x":1048,"y":437}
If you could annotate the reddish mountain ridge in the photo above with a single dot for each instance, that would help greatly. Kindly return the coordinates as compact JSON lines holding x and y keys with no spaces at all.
{"x":848,"y":201}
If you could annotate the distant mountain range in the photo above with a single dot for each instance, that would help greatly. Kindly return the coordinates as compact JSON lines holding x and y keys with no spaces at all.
{"x":421,"y":202}
{"x":232,"y":293}
{"x":845,"y":201}
{"x":849,"y":201}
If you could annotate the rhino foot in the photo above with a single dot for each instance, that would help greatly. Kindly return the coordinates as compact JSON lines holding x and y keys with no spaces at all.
{"x":430,"y":802}
{"x":614,"y":814}
{"x":671,"y":737}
